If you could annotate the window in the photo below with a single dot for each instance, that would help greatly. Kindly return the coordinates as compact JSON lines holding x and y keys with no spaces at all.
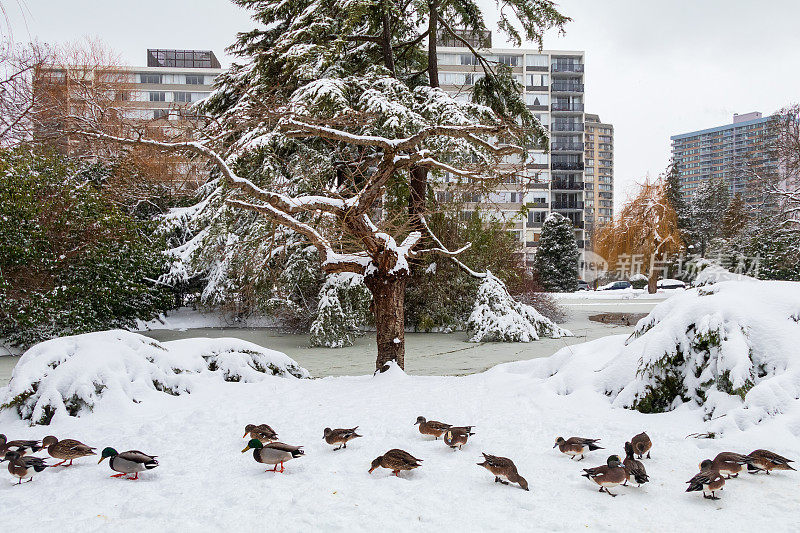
{"x":535,"y":60}
{"x":150,"y":78}
{"x":469,"y":59}
{"x":160,"y":113}
{"x":537,"y":99}
{"x":183,"y":97}
{"x":194,"y":79}
{"x":158,"y":97}
{"x":537,"y":80}
{"x":509,"y":60}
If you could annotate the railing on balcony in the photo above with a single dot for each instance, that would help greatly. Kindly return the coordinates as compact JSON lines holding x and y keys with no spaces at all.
{"x":574,"y":204}
{"x":567,"y":165}
{"x":566,"y":67}
{"x":564,"y":147}
{"x":562,"y":106}
{"x":567,"y":126}
{"x":567,"y":185}
{"x":567,"y":87}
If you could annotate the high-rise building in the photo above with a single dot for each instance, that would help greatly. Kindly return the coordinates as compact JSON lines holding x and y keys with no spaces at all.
{"x":598,"y":175}
{"x":553,"y":89}
{"x":734,"y":152}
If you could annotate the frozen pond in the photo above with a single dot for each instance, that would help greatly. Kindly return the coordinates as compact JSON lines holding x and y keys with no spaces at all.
{"x":426,"y":353}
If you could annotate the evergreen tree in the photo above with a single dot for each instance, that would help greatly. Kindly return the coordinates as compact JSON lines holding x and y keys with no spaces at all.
{"x":674,"y":196}
{"x":706,"y":209}
{"x":556,"y":260}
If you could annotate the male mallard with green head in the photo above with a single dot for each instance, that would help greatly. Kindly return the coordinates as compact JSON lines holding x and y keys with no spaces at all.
{"x":766,"y":460}
{"x":395,"y":460}
{"x":609,"y":475}
{"x":431,"y":427}
{"x":457,"y":436}
{"x":708,"y":480}
{"x":22,"y":447}
{"x":339,"y":436}
{"x":273,"y":453}
{"x":23,"y":467}
{"x":575,"y":446}
{"x":503,"y":467}
{"x":130,"y":462}
{"x":262,"y":432}
{"x":66,"y":449}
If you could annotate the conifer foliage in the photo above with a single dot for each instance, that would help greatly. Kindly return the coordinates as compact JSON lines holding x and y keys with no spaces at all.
{"x":556,"y":260}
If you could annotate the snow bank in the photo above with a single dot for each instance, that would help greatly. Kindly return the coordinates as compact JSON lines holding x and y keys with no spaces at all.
{"x":730,"y":348}
{"x":497,"y":317}
{"x":70,"y":375}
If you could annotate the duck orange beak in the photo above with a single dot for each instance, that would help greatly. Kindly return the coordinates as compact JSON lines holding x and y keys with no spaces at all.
{"x":371,"y":469}
{"x":246,"y":448}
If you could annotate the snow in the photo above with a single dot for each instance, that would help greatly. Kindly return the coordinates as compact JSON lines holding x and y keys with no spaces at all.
{"x":70,"y":376}
{"x":203,"y":482}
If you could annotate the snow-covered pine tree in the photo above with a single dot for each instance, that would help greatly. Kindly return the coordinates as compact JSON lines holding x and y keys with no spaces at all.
{"x":556,"y":260}
{"x":343,"y":309}
{"x":706,"y":208}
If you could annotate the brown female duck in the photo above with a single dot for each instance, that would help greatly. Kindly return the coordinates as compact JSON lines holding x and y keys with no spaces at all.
{"x":396,"y":460}
{"x":66,"y":449}
{"x":503,"y":467}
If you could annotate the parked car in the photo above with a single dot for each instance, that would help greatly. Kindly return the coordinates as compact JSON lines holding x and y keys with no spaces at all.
{"x":671,"y":284}
{"x":582,"y":285}
{"x":615,"y":286}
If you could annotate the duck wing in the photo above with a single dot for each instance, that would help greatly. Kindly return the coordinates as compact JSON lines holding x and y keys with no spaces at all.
{"x":136,"y":456}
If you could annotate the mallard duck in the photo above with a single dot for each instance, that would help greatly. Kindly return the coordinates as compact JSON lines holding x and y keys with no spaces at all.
{"x":22,"y":447}
{"x":609,"y":475}
{"x":431,"y":427}
{"x":340,"y":436}
{"x":130,"y":462}
{"x":730,"y":463}
{"x":23,"y":467}
{"x":396,"y":460}
{"x":262,"y":432}
{"x":66,"y":449}
{"x":273,"y":453}
{"x":457,"y":436}
{"x":708,"y":480}
{"x":574,"y":446}
{"x":641,"y":444}
{"x":503,"y":467}
{"x":766,"y":460}
{"x":633,"y":467}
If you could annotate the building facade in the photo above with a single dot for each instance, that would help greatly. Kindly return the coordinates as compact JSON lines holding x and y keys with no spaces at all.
{"x":598,"y":175}
{"x":734,"y":152}
{"x":553,"y":89}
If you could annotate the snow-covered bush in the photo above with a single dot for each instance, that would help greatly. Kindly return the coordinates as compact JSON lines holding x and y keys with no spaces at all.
{"x":497,"y":317}
{"x":70,"y":375}
{"x":556,"y":260}
{"x":730,"y":348}
{"x":638,"y":281}
{"x":343,"y":309}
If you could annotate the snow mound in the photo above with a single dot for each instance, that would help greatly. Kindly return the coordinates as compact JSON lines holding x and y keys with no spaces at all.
{"x":711,"y":273}
{"x":497,"y":317}
{"x":70,"y":375}
{"x":730,"y":348}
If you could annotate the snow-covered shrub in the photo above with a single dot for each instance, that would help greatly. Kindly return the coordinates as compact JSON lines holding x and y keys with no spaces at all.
{"x":730,"y":348}
{"x":556,"y":260}
{"x":638,"y":281}
{"x":70,"y":375}
{"x":343,"y":309}
{"x":497,"y":317}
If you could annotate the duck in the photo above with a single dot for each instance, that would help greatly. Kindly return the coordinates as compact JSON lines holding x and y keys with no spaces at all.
{"x":431,"y":427}
{"x":340,"y":436}
{"x":609,"y":475}
{"x":642,"y":444}
{"x":126,"y":463}
{"x":708,"y":480}
{"x":22,"y":447}
{"x":395,"y":460}
{"x":66,"y":449}
{"x":503,"y":467}
{"x":574,"y":446}
{"x":730,"y":463}
{"x":634,"y":467}
{"x":23,"y":467}
{"x":273,"y":453}
{"x":765,"y":460}
{"x":457,"y":436}
{"x":262,"y":432}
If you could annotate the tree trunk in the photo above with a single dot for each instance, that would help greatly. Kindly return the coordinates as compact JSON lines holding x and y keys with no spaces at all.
{"x":416,"y":197}
{"x":433,"y":34}
{"x":386,"y":39}
{"x":652,"y":282}
{"x":388,"y":298}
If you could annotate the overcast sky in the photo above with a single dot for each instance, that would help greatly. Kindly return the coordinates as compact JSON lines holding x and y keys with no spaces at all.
{"x":654,"y":68}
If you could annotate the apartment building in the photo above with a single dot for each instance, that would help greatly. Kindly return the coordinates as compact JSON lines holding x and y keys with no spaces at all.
{"x":156,"y":98}
{"x":732,"y":152}
{"x":553,"y":89}
{"x":598,"y":175}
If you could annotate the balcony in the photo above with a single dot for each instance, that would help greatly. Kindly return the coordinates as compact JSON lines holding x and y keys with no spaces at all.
{"x":566,"y":67}
{"x":567,"y":126}
{"x":574,"y":204}
{"x":531,"y":244}
{"x":566,"y":147}
{"x":577,"y":224}
{"x":567,"y":165}
{"x":567,"y":87}
{"x":567,"y":185}
{"x":562,"y":106}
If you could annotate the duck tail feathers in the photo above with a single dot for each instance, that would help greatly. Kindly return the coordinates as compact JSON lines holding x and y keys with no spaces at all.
{"x":593,"y":447}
